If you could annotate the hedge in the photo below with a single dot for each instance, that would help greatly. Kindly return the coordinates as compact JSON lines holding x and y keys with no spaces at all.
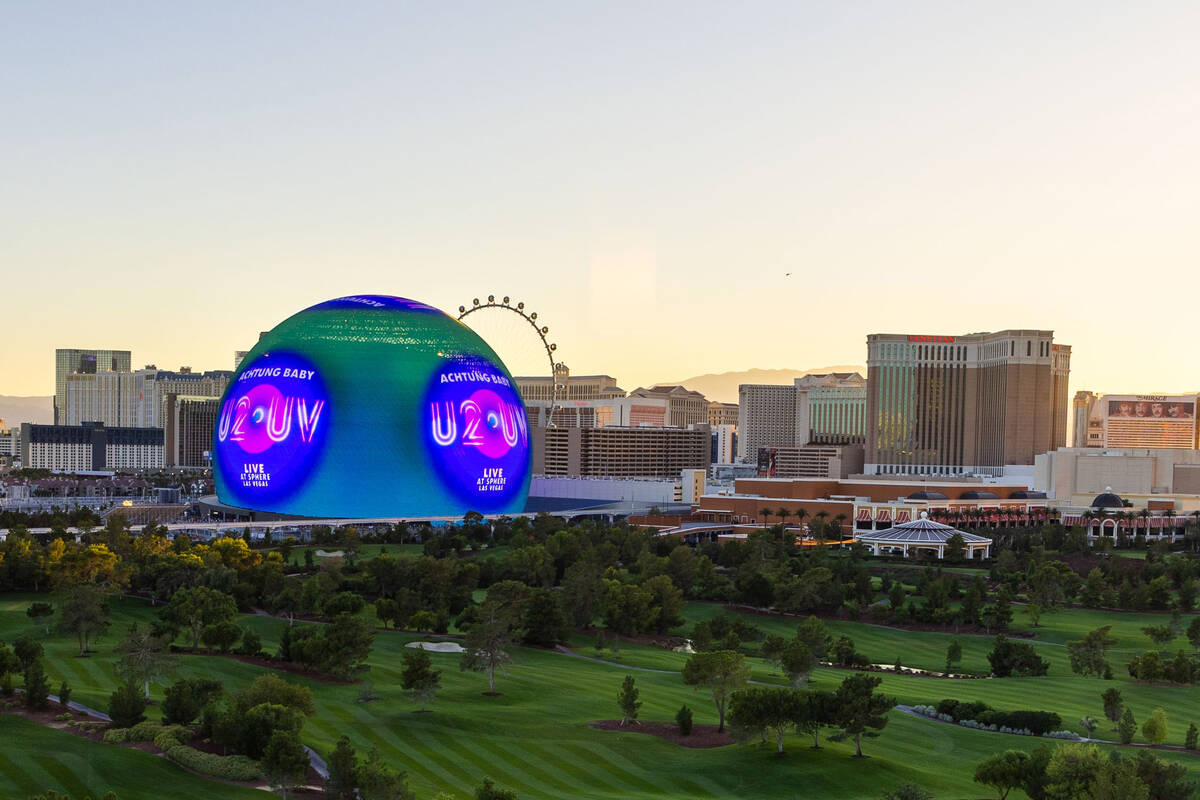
{"x":171,"y":740}
{"x":1038,"y":723}
{"x":232,"y":768}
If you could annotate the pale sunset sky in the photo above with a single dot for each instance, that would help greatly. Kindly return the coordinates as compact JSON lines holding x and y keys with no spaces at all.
{"x":176,"y":177}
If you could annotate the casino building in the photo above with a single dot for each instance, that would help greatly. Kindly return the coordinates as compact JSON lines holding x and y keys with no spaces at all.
{"x":1135,"y":420}
{"x":964,"y":405}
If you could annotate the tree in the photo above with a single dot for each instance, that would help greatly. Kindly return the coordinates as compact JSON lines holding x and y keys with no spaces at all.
{"x":814,"y":714}
{"x":956,"y":547}
{"x":1088,"y":724}
{"x":284,"y":760}
{"x":797,"y":662}
{"x":126,"y":706}
{"x":490,"y":791}
{"x":627,"y":701}
{"x":1193,"y":634}
{"x":1127,"y":727}
{"x":185,"y":699}
{"x":418,"y":677}
{"x":1155,"y":727}
{"x":376,"y":781}
{"x":198,"y":606}
{"x":84,"y":613}
{"x":8,"y":665}
{"x":857,"y":708}
{"x":756,"y":710}
{"x":953,"y":654}
{"x":1189,"y":739}
{"x":1112,"y":705}
{"x":1088,"y":654}
{"x":1003,"y":772}
{"x":488,"y":641}
{"x":772,"y":650}
{"x":1160,"y":634}
{"x":1050,"y":584}
{"x":143,"y":658}
{"x":37,"y":686}
{"x":814,"y":634}
{"x":545,"y":622}
{"x":42,"y":611}
{"x":1010,"y":658}
{"x":27,"y":650}
{"x":343,"y":771}
{"x":1118,"y":780}
{"x":346,"y":643}
{"x":583,"y":592}
{"x":722,"y":672}
{"x":683,"y":718}
{"x":1071,"y":770}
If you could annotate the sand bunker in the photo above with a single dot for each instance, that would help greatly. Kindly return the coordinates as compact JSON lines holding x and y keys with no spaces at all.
{"x":437,"y":647}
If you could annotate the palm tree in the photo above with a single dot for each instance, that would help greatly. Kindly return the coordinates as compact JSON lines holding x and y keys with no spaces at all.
{"x":820,"y":517}
{"x":765,"y":513}
{"x":783,"y":515}
{"x":801,"y":513}
{"x":840,"y":521}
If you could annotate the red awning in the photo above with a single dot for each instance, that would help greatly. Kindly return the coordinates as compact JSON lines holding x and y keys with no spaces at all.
{"x":902,"y":515}
{"x":883,"y":515}
{"x":864,"y":515}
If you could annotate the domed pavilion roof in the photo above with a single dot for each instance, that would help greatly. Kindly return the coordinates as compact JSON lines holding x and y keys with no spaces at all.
{"x":919,"y":531}
{"x":1108,"y":499}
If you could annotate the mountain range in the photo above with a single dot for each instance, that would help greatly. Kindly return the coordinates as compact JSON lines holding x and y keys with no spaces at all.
{"x":723,"y":386}
{"x":15,"y":410}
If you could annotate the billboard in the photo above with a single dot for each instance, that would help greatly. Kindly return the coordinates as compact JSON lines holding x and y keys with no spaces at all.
{"x":1149,"y":421}
{"x":372,"y":406}
{"x":1152,"y":407}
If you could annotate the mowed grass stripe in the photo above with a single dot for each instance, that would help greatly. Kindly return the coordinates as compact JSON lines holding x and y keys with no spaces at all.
{"x":74,"y":784}
{"x":401,"y":738}
{"x":513,"y":775}
{"x":594,"y":760}
{"x":540,"y":763}
{"x":452,"y":771}
{"x":17,"y":777}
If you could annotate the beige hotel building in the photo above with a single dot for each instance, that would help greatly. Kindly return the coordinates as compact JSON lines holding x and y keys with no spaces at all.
{"x":963,"y":405}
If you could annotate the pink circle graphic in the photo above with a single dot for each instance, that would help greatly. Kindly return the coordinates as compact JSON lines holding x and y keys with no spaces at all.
{"x":486,"y":418}
{"x":255,"y":410}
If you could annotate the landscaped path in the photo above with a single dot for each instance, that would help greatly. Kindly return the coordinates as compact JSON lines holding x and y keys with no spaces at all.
{"x":912,"y":712}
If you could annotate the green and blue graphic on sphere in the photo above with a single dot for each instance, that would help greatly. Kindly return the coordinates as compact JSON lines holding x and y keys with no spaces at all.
{"x":372,"y":406}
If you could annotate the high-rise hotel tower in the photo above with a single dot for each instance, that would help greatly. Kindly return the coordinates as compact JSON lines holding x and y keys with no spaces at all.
{"x":960,"y":405}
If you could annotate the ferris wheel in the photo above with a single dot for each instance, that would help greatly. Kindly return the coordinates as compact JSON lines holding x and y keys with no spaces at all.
{"x":506,"y":329}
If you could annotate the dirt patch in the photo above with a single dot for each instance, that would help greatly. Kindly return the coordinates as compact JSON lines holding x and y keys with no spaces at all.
{"x":701,"y":737}
{"x":648,"y":639}
{"x":94,"y":729}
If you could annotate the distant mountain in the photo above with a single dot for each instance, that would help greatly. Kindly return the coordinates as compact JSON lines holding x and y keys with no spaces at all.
{"x":723,"y":386}
{"x":15,"y":410}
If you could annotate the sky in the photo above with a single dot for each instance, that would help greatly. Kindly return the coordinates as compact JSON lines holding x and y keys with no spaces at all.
{"x":176,"y":177}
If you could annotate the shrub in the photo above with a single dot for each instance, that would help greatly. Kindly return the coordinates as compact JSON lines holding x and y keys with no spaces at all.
{"x":64,"y":693}
{"x":186,"y":698}
{"x":251,"y":644}
{"x":37,"y":686}
{"x":230,"y":768}
{"x":1009,"y":658}
{"x":683,"y":717}
{"x":127,"y":706}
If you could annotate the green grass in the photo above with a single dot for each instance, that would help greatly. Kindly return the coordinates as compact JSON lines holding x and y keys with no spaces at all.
{"x":535,"y":739}
{"x":34,"y":759}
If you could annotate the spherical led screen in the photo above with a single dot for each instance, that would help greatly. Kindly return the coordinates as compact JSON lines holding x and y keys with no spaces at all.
{"x":372,"y":406}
